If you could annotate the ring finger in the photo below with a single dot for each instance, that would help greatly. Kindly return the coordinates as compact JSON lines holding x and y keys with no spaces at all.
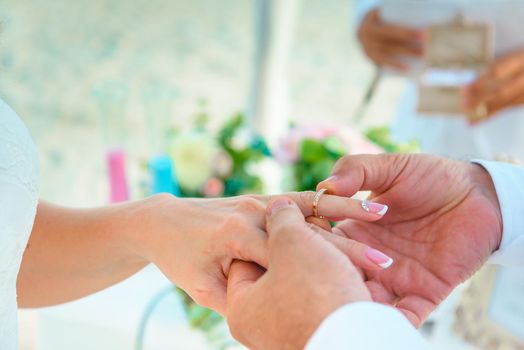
{"x":337,"y":208}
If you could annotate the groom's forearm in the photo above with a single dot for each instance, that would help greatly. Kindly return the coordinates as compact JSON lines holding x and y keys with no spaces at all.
{"x":75,"y":252}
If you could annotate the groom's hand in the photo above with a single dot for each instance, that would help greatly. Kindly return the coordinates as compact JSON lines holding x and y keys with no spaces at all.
{"x":307,"y":279}
{"x":443,"y":223}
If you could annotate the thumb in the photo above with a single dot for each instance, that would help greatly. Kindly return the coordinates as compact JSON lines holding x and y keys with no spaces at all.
{"x":285,"y":223}
{"x":364,"y":173}
{"x":242,"y":276}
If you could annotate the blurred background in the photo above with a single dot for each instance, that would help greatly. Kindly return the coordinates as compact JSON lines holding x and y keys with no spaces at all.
{"x":106,"y":86}
{"x":95,"y":73}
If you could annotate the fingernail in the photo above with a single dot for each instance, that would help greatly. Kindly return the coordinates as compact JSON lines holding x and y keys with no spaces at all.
{"x":375,"y":208}
{"x":332,"y":178}
{"x":379,"y":258}
{"x":279,"y":204}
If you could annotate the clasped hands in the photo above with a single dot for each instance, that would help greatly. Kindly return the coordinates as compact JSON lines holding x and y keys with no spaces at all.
{"x":276,"y":273}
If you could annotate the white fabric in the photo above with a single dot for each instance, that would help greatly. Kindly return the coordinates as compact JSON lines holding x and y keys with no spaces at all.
{"x":361,"y":10}
{"x":372,"y":326}
{"x":448,"y":136}
{"x":509,"y":183}
{"x":366,"y":326}
{"x":18,"y":202}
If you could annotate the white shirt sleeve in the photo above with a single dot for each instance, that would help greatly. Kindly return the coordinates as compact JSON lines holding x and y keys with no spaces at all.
{"x":361,"y":9}
{"x":509,"y":184}
{"x":366,"y":325}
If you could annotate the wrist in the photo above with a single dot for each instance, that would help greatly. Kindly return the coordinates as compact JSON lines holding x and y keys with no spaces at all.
{"x":144,"y":223}
{"x":483,"y":183}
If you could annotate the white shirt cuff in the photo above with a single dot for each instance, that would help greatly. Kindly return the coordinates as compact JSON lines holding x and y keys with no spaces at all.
{"x":509,"y":184}
{"x":366,"y":325}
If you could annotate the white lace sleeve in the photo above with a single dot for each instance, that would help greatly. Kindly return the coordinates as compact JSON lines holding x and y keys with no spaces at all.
{"x":18,"y":202}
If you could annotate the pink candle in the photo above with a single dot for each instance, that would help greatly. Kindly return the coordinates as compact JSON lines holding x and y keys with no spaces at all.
{"x":117,"y":175}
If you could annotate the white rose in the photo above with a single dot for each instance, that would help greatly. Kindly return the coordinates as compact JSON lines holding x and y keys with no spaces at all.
{"x":193,"y":154}
{"x":222,"y":164}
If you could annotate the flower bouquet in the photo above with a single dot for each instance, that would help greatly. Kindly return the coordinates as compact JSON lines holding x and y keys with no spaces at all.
{"x":217,"y":165}
{"x":381,"y":136}
{"x":310,"y":152}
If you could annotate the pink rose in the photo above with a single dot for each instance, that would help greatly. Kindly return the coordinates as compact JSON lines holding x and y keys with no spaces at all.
{"x":213,"y":188}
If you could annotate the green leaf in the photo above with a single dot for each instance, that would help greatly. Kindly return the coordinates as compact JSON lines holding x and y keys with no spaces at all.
{"x":312,"y":150}
{"x":260,"y":146}
{"x":381,"y":136}
{"x":335,"y":146}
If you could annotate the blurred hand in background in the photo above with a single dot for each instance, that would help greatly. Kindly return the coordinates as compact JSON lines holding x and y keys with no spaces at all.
{"x":388,"y":44}
{"x":499,"y":88}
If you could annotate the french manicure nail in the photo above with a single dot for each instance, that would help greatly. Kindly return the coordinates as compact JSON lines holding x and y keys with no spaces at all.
{"x":375,"y":208}
{"x":379,"y":258}
{"x":279,"y":204}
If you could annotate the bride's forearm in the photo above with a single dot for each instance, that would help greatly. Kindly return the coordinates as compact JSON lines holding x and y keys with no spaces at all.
{"x":75,"y":252}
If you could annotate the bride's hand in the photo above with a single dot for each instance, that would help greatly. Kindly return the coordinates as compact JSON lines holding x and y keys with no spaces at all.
{"x":194,"y":241}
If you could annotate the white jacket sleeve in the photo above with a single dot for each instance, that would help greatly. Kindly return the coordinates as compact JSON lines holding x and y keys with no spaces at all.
{"x":509,"y":184}
{"x":369,"y":326}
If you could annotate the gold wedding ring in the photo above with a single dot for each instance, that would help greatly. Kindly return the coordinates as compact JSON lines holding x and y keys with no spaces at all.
{"x":316,"y":199}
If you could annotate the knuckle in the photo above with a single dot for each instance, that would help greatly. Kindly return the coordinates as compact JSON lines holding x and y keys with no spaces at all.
{"x":236,"y":247}
{"x":238,"y":234}
{"x":163,"y":197}
{"x":306,"y":198}
{"x":235,"y":223}
{"x":249,"y":204}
